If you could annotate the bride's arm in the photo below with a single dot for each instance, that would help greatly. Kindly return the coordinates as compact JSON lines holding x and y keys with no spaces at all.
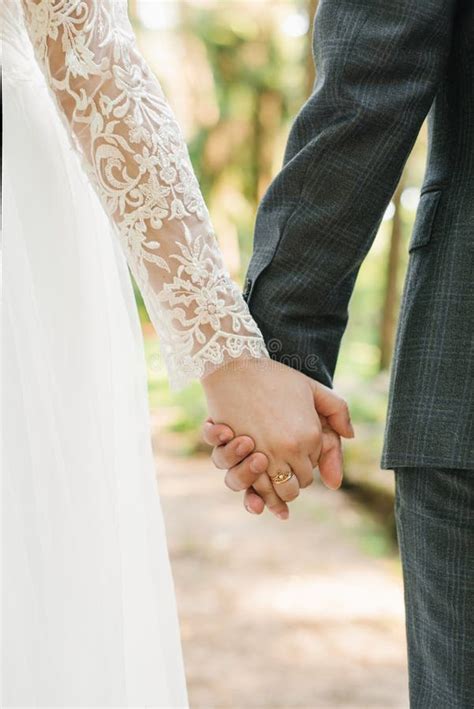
{"x":134,"y":153}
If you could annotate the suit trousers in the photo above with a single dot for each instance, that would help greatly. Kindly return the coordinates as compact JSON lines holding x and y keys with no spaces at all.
{"x":434,"y":509}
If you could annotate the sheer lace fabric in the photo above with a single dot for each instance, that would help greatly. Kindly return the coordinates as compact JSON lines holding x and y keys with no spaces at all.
{"x":132,"y":149}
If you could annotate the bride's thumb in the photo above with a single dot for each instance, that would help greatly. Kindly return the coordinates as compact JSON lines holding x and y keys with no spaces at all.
{"x":334,"y":408}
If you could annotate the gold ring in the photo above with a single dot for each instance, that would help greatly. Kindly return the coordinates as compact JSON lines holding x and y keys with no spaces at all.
{"x":282,"y":477}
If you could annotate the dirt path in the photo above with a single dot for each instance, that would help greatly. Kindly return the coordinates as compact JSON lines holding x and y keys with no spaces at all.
{"x":306,"y":613}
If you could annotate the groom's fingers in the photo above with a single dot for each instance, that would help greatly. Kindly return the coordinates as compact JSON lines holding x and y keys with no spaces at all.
{"x":331,"y":462}
{"x":216,"y":434}
{"x":241,"y":476}
{"x":228,"y":451}
{"x":253,"y":502}
{"x":334,"y":408}
{"x":231,"y":454}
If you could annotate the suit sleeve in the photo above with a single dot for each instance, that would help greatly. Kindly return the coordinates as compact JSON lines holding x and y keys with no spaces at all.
{"x":379,"y":65}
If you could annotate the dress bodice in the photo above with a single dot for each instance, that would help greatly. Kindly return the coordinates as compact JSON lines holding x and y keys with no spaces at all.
{"x":18,"y":56}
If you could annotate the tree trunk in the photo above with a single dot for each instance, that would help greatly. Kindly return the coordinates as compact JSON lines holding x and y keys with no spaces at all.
{"x":267,"y":121}
{"x":310,"y":72}
{"x":389,"y":310}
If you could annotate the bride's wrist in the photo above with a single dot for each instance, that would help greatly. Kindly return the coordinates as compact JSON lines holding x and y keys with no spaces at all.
{"x":233,"y":367}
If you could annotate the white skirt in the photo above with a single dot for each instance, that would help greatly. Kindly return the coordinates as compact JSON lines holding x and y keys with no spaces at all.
{"x":89,"y":616}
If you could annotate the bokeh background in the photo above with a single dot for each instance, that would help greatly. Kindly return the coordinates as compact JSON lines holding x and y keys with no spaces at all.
{"x":307,"y":613}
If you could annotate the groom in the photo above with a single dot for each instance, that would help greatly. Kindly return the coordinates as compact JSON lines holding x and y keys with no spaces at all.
{"x":382,"y":66}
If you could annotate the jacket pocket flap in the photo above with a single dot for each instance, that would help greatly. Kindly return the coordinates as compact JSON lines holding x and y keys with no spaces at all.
{"x":425,"y":216}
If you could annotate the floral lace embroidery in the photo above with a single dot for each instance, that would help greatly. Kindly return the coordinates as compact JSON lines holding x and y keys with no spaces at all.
{"x":134,"y":153}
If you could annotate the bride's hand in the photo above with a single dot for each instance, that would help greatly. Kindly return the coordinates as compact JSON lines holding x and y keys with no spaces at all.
{"x":275,"y":405}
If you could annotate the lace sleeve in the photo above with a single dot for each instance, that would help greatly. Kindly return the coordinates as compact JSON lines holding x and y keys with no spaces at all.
{"x":133,"y":151}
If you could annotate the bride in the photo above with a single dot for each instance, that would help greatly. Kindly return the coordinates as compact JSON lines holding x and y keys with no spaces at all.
{"x":93,"y":152}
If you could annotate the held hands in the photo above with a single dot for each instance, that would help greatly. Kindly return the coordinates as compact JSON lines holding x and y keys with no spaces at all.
{"x":270,"y":419}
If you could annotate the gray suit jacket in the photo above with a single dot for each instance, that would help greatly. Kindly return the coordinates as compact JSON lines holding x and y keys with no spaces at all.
{"x":382,"y":66}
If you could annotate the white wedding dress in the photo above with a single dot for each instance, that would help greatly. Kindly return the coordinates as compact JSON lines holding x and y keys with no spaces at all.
{"x":96,"y":174}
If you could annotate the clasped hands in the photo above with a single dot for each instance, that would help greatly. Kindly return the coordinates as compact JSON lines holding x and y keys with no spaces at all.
{"x":266,"y":418}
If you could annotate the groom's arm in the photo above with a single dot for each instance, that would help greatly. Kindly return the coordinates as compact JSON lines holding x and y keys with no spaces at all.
{"x":378,"y":68}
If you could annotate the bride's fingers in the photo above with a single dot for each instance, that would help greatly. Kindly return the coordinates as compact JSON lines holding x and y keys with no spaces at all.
{"x":263,"y":486}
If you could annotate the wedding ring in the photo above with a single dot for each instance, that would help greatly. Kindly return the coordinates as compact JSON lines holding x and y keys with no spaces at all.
{"x":282,"y":477}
